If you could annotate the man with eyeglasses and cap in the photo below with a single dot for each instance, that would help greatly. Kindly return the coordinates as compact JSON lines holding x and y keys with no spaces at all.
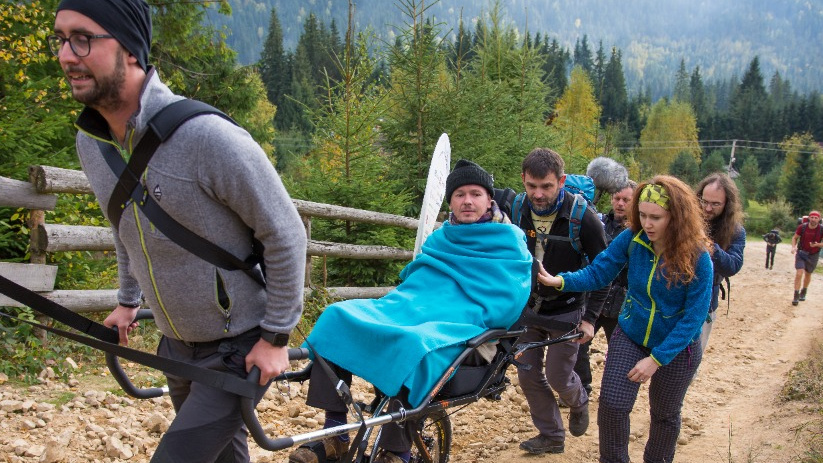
{"x":213,"y":179}
{"x":720,"y":200}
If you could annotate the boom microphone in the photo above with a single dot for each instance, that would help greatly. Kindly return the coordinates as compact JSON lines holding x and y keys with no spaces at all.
{"x":608,"y":175}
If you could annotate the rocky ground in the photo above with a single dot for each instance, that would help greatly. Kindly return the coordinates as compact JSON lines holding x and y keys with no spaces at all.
{"x":731,"y":412}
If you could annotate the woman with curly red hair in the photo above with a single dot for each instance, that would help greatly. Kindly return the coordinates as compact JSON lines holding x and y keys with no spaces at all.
{"x":658,"y":334}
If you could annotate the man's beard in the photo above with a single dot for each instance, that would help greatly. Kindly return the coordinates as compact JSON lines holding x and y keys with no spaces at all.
{"x":106,"y":94}
{"x":544,"y":207}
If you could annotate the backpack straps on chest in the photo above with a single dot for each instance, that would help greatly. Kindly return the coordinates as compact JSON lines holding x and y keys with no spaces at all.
{"x":161,"y":126}
{"x":128,"y":189}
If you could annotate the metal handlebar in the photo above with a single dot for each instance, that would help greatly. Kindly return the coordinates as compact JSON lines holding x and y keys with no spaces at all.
{"x":119,"y":375}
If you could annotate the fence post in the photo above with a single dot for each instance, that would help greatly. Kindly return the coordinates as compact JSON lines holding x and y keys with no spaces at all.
{"x":37,"y":218}
{"x":307,"y":225}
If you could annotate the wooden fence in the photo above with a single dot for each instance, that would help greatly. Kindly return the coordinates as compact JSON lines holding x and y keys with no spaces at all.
{"x":40,"y":194}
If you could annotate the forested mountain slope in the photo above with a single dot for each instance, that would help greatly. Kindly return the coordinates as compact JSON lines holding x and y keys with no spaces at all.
{"x":720,"y":36}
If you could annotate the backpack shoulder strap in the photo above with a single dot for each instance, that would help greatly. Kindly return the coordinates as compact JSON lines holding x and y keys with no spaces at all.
{"x":161,"y":126}
{"x":575,"y":224}
{"x":170,"y":118}
{"x":517,"y":208}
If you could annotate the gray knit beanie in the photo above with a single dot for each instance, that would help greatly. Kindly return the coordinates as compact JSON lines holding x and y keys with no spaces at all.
{"x":468,"y":173}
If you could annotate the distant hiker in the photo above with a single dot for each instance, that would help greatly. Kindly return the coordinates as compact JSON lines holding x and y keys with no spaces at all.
{"x":720,"y":200}
{"x":772,"y":239}
{"x":806,"y":244}
{"x":658,"y":335}
{"x":217,"y":181}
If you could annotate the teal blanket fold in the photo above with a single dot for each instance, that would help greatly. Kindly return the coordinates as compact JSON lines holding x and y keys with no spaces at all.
{"x":466,"y":280}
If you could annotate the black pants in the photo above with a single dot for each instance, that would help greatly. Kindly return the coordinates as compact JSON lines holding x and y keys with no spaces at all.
{"x":208,"y":426}
{"x":393,"y":436}
{"x":770,"y":252}
{"x":583,"y":366}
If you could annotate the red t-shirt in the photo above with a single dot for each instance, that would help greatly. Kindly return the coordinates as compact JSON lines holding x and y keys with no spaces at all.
{"x":812,"y":235}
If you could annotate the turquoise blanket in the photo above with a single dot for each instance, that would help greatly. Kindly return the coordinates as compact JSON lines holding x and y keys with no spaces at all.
{"x":467,"y":279}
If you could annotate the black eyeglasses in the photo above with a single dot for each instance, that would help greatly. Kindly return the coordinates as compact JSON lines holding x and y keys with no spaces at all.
{"x":705,"y":203}
{"x":80,"y":43}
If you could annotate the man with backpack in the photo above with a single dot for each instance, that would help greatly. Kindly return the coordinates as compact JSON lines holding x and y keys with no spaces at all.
{"x":216,"y":182}
{"x":806,"y":244}
{"x":720,"y":200}
{"x":772,"y":239}
{"x":564,"y":234}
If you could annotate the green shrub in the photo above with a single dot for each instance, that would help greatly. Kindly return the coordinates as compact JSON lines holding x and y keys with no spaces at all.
{"x":760,"y":218}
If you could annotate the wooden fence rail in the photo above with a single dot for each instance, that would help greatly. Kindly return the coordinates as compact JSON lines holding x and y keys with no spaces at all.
{"x":46,"y":182}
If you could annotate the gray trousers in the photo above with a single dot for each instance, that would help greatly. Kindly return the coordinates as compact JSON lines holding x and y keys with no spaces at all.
{"x":208,"y":426}
{"x":552,"y":370}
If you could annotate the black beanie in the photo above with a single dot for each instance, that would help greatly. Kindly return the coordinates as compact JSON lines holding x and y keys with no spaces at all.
{"x":468,"y":173}
{"x":129,"y":21}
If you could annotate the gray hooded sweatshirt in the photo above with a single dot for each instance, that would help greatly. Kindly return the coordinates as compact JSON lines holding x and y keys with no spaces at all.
{"x":215,"y":180}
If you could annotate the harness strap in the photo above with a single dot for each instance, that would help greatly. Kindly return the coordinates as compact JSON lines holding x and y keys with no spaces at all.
{"x":128,"y":189}
{"x":161,"y":126}
{"x":56,"y":311}
{"x":220,"y":380}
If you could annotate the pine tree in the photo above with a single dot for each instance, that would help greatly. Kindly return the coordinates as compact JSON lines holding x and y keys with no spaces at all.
{"x":613,"y":98}
{"x":685,"y":168}
{"x":598,"y":74}
{"x":503,"y":89}
{"x":273,"y":63}
{"x":461,"y":52}
{"x":583,"y":55}
{"x":750,"y":110}
{"x":681,"y":84}
{"x":347,"y":166}
{"x":714,"y":162}
{"x":803,"y":191}
{"x":418,"y":95}
{"x":556,"y":61}
{"x":698,"y":99}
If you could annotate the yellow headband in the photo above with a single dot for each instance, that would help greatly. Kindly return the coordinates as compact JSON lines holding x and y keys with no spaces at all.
{"x":655,"y":194}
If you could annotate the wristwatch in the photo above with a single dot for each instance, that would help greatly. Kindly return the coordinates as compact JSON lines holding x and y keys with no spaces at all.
{"x":275,"y":339}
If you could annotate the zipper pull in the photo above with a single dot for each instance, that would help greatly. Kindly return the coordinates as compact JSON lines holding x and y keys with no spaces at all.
{"x":228,"y":323}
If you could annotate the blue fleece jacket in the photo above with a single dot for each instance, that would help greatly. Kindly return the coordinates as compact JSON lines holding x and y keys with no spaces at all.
{"x":664,"y":320}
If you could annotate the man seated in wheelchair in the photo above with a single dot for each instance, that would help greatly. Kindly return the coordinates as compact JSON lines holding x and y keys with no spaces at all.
{"x":473,"y":274}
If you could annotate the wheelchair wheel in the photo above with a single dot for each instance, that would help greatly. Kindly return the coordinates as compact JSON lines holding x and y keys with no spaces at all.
{"x":435,"y":430}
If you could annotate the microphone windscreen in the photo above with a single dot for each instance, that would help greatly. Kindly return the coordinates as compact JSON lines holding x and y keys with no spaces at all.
{"x":608,"y":175}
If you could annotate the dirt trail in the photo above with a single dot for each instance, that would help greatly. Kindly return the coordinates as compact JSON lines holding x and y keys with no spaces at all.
{"x":730,"y":413}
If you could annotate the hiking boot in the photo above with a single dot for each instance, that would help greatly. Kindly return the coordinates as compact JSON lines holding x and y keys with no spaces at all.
{"x":802,"y":295}
{"x":330,"y":448}
{"x":579,"y":422}
{"x":541,"y":444}
{"x":384,"y":456}
{"x":796,"y":299}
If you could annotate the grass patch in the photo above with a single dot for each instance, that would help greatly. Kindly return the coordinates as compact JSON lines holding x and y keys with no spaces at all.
{"x":63,"y":398}
{"x":805,"y":384}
